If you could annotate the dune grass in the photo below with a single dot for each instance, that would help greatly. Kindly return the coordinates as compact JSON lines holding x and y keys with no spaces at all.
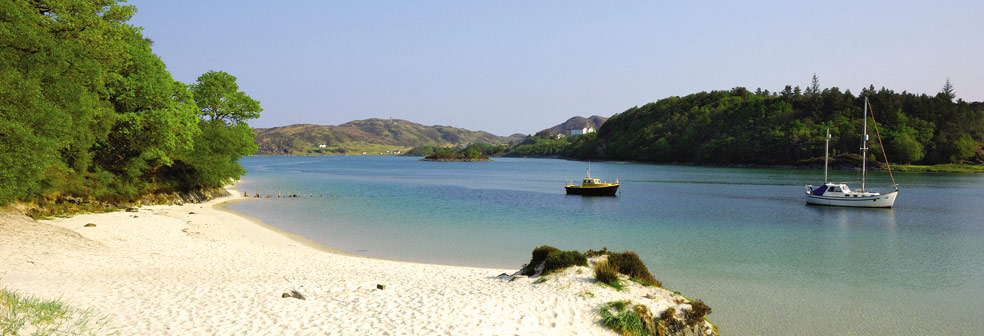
{"x":28,"y":315}
{"x":615,"y":316}
{"x":607,"y":274}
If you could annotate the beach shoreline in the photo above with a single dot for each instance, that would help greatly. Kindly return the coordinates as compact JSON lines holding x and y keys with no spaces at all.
{"x":205,"y":269}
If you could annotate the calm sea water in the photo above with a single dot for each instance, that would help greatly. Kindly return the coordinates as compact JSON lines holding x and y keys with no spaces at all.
{"x":742,"y":240}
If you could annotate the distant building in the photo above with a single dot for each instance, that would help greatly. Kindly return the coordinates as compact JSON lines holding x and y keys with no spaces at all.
{"x":322,"y":146}
{"x":558,"y":136}
{"x":582,"y":131}
{"x":397,"y":151}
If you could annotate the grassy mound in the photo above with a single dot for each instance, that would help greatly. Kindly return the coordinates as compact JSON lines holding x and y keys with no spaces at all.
{"x":628,"y":263}
{"x":553,"y":259}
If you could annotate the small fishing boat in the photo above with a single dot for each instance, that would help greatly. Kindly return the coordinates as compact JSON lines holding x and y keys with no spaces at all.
{"x":592,"y":187}
{"x":839,"y":194}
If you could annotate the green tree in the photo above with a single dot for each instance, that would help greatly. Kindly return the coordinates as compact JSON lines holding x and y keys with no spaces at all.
{"x":225,"y":135}
{"x":219,"y":98}
{"x":904,"y":148}
{"x":54,"y":59}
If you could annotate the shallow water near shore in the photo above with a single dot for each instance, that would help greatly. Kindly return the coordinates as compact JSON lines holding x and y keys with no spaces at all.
{"x":741,"y":239}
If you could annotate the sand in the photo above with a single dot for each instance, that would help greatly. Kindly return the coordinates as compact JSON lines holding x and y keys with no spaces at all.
{"x":197,"y":269}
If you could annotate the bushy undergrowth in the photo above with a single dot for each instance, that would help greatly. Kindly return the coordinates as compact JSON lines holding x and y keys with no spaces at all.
{"x":553,"y":259}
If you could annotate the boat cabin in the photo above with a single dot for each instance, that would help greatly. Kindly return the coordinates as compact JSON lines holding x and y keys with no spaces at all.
{"x":838,"y":190}
{"x":590,"y":181}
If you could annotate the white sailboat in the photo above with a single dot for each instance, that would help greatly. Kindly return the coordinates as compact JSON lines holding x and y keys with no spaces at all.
{"x":839,"y":194}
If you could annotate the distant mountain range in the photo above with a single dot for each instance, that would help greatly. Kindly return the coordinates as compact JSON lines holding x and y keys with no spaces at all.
{"x":369,"y":136}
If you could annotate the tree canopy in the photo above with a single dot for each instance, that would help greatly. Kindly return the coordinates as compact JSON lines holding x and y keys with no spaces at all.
{"x":787,"y":127}
{"x":87,"y":109}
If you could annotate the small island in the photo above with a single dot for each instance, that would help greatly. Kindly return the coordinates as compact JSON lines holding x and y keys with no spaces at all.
{"x":462,"y":156}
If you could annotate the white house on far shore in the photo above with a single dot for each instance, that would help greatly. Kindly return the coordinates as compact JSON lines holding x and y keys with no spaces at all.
{"x":582,"y":131}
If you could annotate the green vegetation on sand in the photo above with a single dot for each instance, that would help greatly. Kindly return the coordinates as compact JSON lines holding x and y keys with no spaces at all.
{"x":28,"y":315}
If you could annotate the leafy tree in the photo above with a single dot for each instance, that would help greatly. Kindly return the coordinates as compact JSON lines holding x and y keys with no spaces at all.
{"x":219,"y":98}
{"x":905,"y":148}
{"x":53,"y":65}
{"x":225,"y":136}
{"x":87,"y":109}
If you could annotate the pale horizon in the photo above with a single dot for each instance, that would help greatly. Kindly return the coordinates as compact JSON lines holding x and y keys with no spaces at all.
{"x":514,"y":67}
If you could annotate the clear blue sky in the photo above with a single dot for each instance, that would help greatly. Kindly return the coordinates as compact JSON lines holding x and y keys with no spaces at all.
{"x":521,"y":66}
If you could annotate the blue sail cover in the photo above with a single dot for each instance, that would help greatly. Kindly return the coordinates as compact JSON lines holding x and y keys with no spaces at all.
{"x":819,"y":191}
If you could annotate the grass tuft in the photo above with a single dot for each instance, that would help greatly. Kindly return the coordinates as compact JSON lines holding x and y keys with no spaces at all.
{"x":637,"y":321}
{"x":628,"y":263}
{"x":20,"y":313}
{"x":605,"y":273}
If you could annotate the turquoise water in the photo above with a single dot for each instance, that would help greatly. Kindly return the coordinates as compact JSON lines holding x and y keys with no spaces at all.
{"x":740,"y":239}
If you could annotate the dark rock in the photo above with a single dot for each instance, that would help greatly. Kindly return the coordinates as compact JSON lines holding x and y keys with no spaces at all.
{"x":131,"y":209}
{"x":380,"y":287}
{"x":89,"y":225}
{"x":191,"y":213}
{"x":297,"y":295}
{"x":293,"y":294}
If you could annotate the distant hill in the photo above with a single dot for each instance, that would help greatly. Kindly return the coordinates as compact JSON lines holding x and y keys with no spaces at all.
{"x":577,"y":123}
{"x":372,"y":136}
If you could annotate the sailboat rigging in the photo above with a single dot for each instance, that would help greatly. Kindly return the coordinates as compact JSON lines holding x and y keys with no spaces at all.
{"x":839,"y":194}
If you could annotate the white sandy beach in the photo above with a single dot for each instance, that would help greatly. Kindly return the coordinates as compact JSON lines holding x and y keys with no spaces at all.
{"x":197,"y":269}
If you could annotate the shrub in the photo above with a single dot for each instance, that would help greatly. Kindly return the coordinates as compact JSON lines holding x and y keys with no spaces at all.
{"x":553,"y":259}
{"x":593,"y":253}
{"x":562,"y":260}
{"x":628,"y":263}
{"x":539,"y":255}
{"x":697,"y":312}
{"x":605,"y":273}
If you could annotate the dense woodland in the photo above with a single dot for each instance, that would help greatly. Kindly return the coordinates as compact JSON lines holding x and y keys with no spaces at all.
{"x":88,"y":111}
{"x":787,"y":127}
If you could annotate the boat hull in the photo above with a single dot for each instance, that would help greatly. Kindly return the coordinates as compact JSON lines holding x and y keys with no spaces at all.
{"x":886,"y":200}
{"x":599,"y":191}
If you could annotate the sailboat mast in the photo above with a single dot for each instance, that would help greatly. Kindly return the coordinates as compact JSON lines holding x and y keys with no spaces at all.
{"x":864,"y":144}
{"x":826,"y":157}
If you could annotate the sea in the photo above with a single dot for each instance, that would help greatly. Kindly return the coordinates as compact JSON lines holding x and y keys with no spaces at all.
{"x":740,"y":239}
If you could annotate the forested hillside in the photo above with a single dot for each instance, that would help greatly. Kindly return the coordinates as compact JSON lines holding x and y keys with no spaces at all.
{"x":744,"y":127}
{"x":362,"y":135}
{"x":88,"y":111}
